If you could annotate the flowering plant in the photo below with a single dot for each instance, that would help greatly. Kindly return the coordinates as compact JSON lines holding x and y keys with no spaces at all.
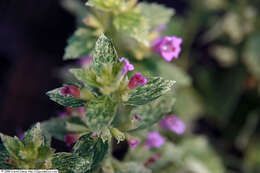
{"x":114,"y":97}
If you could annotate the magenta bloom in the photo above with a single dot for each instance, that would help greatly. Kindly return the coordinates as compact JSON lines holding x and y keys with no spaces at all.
{"x":127,"y":66}
{"x":85,"y":61}
{"x":154,"y":139}
{"x":70,"y":139}
{"x":169,"y":47}
{"x":137,"y":80}
{"x":133,"y":143}
{"x":173,"y":123}
{"x":71,"y":90}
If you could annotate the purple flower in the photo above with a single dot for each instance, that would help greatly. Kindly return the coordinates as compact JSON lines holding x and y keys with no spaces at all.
{"x":169,"y":47}
{"x":70,"y":139}
{"x":154,"y":139}
{"x":85,"y":61}
{"x":20,"y":134}
{"x":62,"y":114}
{"x":71,"y":90}
{"x":137,"y":80}
{"x":138,"y":117}
{"x":127,"y":66}
{"x":133,"y":143}
{"x":173,"y":123}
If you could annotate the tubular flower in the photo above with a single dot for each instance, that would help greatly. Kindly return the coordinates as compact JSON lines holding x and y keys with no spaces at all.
{"x":154,"y":139}
{"x":133,"y":143}
{"x":85,"y":61}
{"x":71,"y":90}
{"x":127,"y":66}
{"x":169,"y":47}
{"x":136,"y":81}
{"x":70,"y":139}
{"x":173,"y":123}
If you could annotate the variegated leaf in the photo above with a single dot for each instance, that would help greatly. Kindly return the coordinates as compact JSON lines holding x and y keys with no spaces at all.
{"x":152,"y":112}
{"x":100,"y":114}
{"x":65,"y":100}
{"x":133,"y":24}
{"x":155,"y":88}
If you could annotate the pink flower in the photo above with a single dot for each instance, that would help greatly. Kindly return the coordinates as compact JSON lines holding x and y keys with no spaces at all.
{"x":169,"y":47}
{"x":137,"y":80}
{"x":85,"y":61}
{"x":70,"y":139}
{"x":133,"y":143}
{"x":173,"y":123}
{"x":71,"y":90}
{"x":154,"y":139}
{"x":127,"y":66}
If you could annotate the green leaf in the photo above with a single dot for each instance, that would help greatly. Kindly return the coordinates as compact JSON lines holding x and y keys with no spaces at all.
{"x":80,"y":44}
{"x":12,"y":144}
{"x":34,"y":137}
{"x":105,"y":51}
{"x":165,"y":70}
{"x":133,"y":24}
{"x":100,"y":114}
{"x":65,"y":100}
{"x":154,"y":88}
{"x":107,"y":5}
{"x":92,"y":149}
{"x":188,"y":97}
{"x":252,"y":55}
{"x":173,"y":72}
{"x":4,"y":155}
{"x":132,"y":167}
{"x":86,"y":75}
{"x":70,"y":163}
{"x":156,"y":14}
{"x":55,"y":127}
{"x":152,"y":112}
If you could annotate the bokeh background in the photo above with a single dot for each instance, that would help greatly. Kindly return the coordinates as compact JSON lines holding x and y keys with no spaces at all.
{"x":220,"y":54}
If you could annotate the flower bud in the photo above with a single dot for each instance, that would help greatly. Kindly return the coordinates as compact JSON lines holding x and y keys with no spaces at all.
{"x":71,"y":90}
